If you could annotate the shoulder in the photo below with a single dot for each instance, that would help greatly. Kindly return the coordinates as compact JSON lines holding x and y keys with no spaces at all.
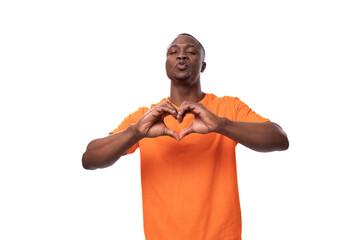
{"x":234,"y":109}
{"x":158,"y":103}
{"x":225,"y":106}
{"x":225,"y":101}
{"x":142,"y":110}
{"x":134,"y":117}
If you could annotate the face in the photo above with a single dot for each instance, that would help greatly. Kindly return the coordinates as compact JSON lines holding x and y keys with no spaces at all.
{"x":184,"y":60}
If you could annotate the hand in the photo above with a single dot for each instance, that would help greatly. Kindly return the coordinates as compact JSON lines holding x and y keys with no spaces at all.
{"x":204,"y":122}
{"x":151,"y":124}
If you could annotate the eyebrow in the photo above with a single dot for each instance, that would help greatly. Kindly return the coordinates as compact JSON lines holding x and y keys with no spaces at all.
{"x":189,"y":45}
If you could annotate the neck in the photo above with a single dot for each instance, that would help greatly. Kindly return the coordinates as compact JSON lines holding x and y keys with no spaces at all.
{"x":180,"y":93}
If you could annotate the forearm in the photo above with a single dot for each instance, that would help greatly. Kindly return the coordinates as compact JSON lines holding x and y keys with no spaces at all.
{"x":104,"y":152}
{"x":261,"y":137}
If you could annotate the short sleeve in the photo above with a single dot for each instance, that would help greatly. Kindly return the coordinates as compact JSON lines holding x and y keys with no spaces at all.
{"x":244,"y":113}
{"x":129,"y":120}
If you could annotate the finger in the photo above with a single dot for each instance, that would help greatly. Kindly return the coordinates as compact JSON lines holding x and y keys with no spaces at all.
{"x":166,"y":108}
{"x":171,"y":133}
{"x":169,"y":104}
{"x":186,"y":107}
{"x":164,"y":111}
{"x":186,"y":131}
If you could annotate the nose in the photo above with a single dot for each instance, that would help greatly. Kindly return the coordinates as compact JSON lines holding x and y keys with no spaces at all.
{"x":182,"y":57}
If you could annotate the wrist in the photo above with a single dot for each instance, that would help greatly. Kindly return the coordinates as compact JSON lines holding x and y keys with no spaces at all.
{"x":136,"y":132}
{"x":222,"y":122}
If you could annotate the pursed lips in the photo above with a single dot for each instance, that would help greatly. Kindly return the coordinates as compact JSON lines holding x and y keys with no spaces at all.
{"x":181,"y":65}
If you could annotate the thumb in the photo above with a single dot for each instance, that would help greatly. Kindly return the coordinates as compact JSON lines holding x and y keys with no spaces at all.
{"x":171,"y":133}
{"x":186,"y":131}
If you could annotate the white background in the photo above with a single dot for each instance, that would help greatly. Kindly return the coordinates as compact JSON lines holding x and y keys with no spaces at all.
{"x":71,"y":71}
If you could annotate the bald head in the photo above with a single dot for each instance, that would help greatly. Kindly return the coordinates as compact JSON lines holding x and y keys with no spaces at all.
{"x":201,"y":46}
{"x":186,"y":35}
{"x":185,"y":60}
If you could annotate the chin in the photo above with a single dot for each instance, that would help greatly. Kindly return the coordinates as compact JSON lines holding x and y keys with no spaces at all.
{"x":181,"y":78}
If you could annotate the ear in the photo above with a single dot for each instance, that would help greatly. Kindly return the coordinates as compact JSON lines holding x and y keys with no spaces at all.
{"x":203,"y":66}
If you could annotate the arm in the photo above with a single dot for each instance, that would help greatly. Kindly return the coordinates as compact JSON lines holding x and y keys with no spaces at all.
{"x":104,"y":152}
{"x":262,"y":137}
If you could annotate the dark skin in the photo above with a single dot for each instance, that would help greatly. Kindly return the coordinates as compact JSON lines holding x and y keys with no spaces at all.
{"x":184,"y":64}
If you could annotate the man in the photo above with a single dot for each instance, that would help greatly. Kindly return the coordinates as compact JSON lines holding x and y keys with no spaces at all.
{"x":187,"y":146}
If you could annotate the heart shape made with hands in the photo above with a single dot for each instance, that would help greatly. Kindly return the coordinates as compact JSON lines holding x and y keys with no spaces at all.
{"x":158,"y":122}
{"x":181,"y":126}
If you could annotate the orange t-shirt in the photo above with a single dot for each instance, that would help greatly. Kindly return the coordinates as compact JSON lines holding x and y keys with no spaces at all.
{"x":189,"y":188}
